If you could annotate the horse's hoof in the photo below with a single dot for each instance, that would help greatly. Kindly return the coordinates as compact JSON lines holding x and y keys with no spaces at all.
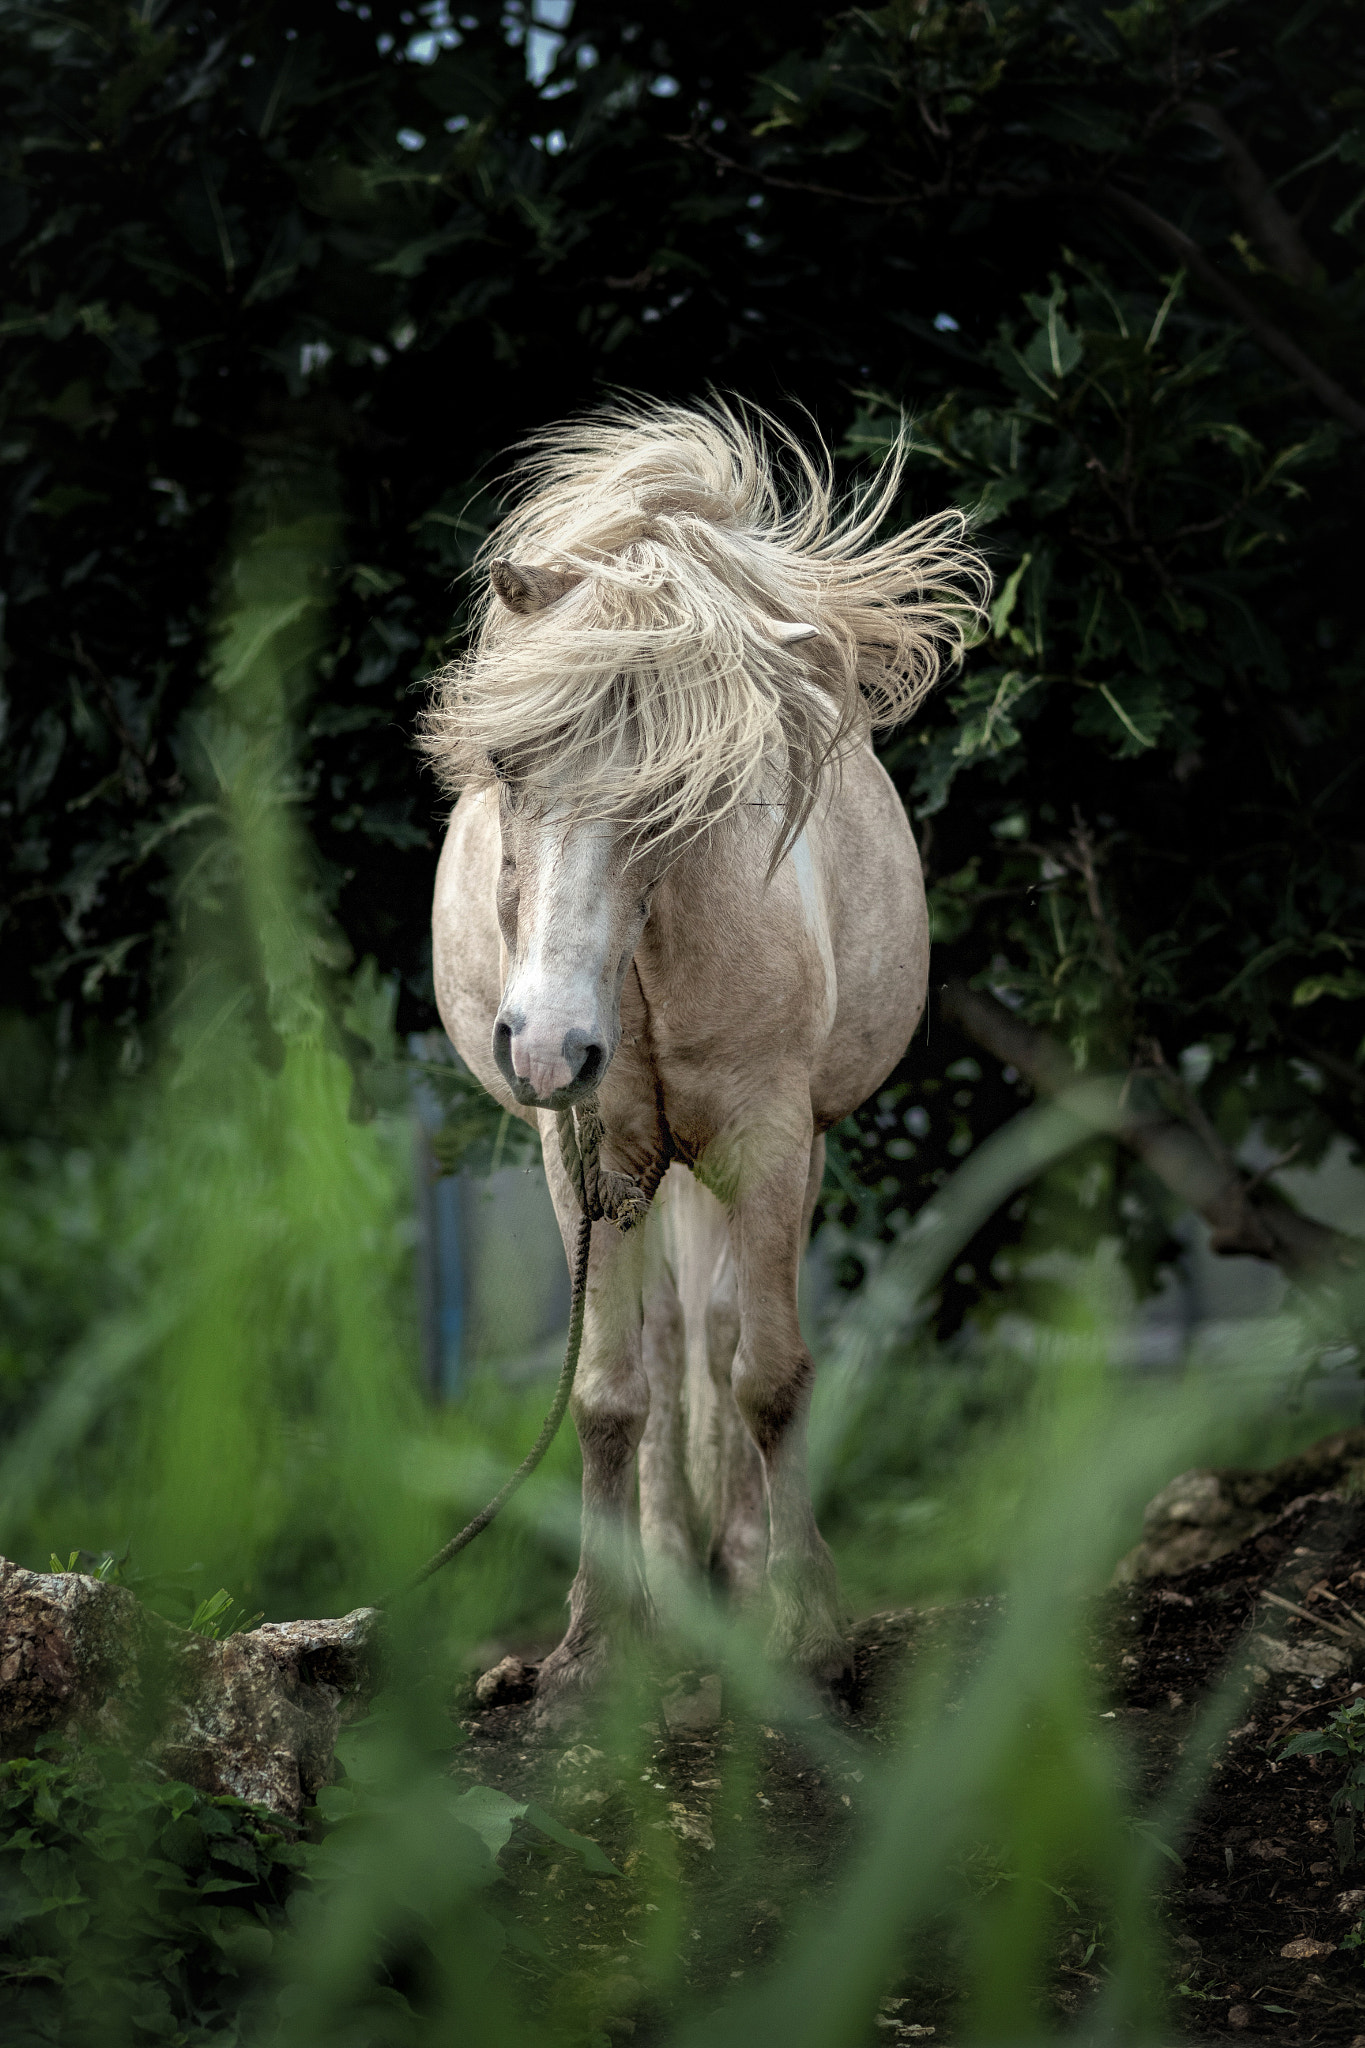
{"x":833,"y":1689}
{"x":560,"y":1718}
{"x":567,"y":1684}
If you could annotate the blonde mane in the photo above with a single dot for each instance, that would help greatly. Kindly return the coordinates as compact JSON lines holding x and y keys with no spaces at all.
{"x":654,"y":690}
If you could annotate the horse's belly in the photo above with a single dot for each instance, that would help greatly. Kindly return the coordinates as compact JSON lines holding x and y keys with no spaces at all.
{"x":880,"y":931}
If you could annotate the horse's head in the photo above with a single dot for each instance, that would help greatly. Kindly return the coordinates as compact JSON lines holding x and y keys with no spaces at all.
{"x":676,"y":684}
{"x":574,"y":889}
{"x":573,"y":900}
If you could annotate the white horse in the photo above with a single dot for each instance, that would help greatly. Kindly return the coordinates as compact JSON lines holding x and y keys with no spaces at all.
{"x":677,"y":876}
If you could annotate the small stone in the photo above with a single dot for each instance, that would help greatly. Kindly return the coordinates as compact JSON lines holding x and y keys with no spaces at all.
{"x":1305,"y":1660}
{"x":581,"y":1757}
{"x":692,"y":1827}
{"x":690,"y":1711}
{"x":1350,"y":1902}
{"x":1239,"y":2015}
{"x":584,"y":1796}
{"x":508,"y":1684}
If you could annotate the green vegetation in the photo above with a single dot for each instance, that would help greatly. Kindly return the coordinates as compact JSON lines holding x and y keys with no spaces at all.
{"x":1342,"y":1735}
{"x":283,"y":284}
{"x":249,"y":1405}
{"x":131,"y":1910}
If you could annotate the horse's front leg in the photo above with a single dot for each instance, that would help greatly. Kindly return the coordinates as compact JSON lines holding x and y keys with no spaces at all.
{"x":608,"y":1600}
{"x":772,"y":1377}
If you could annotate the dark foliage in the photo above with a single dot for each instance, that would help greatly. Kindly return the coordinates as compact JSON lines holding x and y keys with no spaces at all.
{"x":399,"y":240}
{"x":131,"y":1909}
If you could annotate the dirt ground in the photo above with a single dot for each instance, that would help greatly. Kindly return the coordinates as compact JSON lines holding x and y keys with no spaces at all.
{"x":1256,"y":1915}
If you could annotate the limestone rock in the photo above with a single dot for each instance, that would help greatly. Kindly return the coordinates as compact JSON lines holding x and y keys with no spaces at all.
{"x":256,"y":1715}
{"x":1301,"y":1660}
{"x":1191,"y":1521}
{"x":71,"y":1655}
{"x":508,"y":1684}
{"x":1202,"y":1514}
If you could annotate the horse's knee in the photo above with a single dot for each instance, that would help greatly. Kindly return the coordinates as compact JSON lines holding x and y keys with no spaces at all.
{"x":771,"y":1393}
{"x":610,"y":1413}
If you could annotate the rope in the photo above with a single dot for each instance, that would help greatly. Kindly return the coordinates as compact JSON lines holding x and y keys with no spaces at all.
{"x":603,"y":1197}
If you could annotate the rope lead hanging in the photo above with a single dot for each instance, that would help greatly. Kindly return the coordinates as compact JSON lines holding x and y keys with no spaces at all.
{"x":603,"y":1197}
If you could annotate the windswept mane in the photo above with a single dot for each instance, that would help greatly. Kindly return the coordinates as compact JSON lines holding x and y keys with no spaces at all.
{"x":673,"y":544}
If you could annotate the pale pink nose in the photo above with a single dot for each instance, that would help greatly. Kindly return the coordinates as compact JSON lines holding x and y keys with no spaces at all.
{"x":541,"y":1064}
{"x":547,"y":1070}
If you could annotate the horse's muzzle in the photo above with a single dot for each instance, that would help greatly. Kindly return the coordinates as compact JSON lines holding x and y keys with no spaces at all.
{"x":543,"y":1075}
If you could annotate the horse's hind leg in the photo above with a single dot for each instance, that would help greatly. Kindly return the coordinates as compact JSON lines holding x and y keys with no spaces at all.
{"x":725,"y":1478}
{"x":739,"y":1531}
{"x":779,"y":1180}
{"x":667,"y":1515}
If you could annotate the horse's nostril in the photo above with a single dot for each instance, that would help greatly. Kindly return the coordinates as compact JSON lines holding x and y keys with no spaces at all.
{"x":502,"y":1048}
{"x":584,"y":1057}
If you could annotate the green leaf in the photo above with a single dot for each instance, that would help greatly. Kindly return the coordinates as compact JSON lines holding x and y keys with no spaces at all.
{"x":1131,"y":712}
{"x":1147,"y":1829}
{"x":1055,"y":349}
{"x":984,"y":707}
{"x":1314,"y":1742}
{"x":1005,"y":601}
{"x":1348,"y":987}
{"x":593,"y":1858}
{"x":490,"y":1813}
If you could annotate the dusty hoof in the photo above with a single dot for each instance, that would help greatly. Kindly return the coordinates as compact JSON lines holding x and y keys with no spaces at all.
{"x":565,"y":1689}
{"x":835,"y":1672}
{"x":562,"y":1712}
{"x":832,"y":1681}
{"x":561,"y":1718}
{"x":509,"y":1684}
{"x":834,"y":1695}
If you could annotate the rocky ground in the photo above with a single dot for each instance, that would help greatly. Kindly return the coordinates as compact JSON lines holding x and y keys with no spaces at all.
{"x":1253,"y":1575}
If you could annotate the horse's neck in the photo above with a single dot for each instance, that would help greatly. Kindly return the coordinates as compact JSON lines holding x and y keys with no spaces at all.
{"x":703,"y":915}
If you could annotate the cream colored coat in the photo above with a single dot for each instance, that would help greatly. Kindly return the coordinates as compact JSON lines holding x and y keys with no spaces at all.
{"x":746,"y":1015}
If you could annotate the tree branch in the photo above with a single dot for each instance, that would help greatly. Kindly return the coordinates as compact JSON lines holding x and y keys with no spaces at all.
{"x":1274,"y":229}
{"x":1187,"y":1156}
{"x":1272,"y":339}
{"x":702,"y":147}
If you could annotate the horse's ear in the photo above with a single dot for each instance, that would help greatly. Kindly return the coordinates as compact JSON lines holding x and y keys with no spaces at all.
{"x":527,"y":590}
{"x":787,"y":632}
